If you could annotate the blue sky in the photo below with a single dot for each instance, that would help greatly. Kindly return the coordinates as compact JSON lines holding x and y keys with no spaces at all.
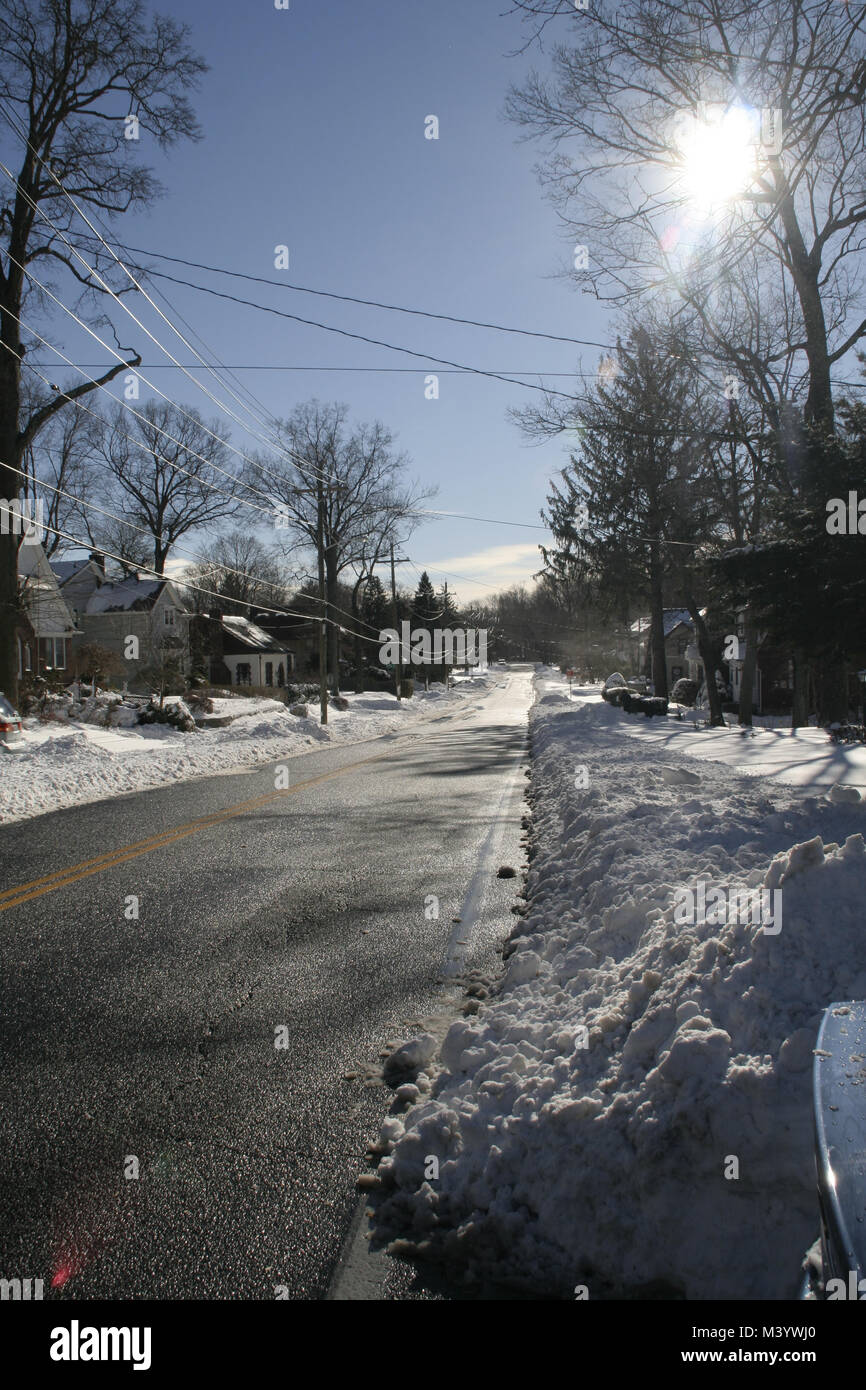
{"x":313,"y":124}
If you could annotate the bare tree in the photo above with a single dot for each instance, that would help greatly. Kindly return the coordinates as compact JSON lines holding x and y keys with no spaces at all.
{"x":71,"y":72}
{"x":347,"y":480}
{"x":169,"y":474}
{"x":61,"y":474}
{"x":616,"y":107}
{"x":241,"y":570}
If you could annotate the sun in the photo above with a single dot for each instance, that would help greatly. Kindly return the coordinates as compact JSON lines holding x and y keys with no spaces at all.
{"x":717,"y":154}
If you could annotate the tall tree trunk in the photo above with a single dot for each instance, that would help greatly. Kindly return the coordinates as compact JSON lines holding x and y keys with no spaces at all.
{"x":708,"y":657}
{"x":747,"y":675}
{"x":832,"y":688}
{"x":800,"y":703}
{"x":10,"y":481}
{"x":806,"y":274}
{"x":658,"y":658}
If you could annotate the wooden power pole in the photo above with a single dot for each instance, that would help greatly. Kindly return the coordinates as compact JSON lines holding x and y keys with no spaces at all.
{"x":323,"y":652}
{"x":396,"y":627}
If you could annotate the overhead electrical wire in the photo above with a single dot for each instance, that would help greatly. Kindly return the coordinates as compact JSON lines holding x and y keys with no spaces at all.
{"x":198,"y":588}
{"x":182,"y":550}
{"x":354,"y":299}
{"x":302,"y":463}
{"x":269,"y":511}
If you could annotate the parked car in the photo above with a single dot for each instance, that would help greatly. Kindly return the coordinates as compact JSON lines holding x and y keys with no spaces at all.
{"x":11,"y":736}
{"x":835,"y":1268}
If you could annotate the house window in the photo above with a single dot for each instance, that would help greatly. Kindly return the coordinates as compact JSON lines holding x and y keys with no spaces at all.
{"x":168,"y":617}
{"x":269,"y":673}
{"x":52,"y":653}
{"x":244,"y":673}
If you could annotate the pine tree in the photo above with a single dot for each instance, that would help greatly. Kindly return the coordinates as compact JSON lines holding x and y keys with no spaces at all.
{"x":425,"y":607}
{"x":375,"y":605}
{"x":448,"y":610}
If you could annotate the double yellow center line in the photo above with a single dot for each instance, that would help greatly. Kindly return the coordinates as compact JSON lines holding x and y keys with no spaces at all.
{"x":24,"y":892}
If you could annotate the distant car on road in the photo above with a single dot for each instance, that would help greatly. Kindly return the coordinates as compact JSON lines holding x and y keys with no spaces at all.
{"x":11,"y":736}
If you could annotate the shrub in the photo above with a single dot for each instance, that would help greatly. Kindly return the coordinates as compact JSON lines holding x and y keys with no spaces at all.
{"x":612,"y":681}
{"x":685,"y":692}
{"x":617,"y":695}
{"x":176,"y":714}
{"x":644,"y":704}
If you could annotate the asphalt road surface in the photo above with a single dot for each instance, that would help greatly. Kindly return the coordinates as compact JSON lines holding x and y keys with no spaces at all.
{"x":282,"y":938}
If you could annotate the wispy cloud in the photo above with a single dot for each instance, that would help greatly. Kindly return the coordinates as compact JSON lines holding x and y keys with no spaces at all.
{"x":496,"y":567}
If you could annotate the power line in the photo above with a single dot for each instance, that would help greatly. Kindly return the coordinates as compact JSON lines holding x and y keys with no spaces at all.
{"x":178,"y":549}
{"x":407,"y":371}
{"x":361,"y":337}
{"x":16,"y":126}
{"x":268,"y":512}
{"x":492,"y":520}
{"x":197,"y":588}
{"x":354,"y":299}
{"x":107,"y":289}
{"x":381,"y":371}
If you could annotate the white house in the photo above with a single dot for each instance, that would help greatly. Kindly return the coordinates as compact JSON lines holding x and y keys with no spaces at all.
{"x":253,"y":656}
{"x":143,"y":621}
{"x":42,"y":650}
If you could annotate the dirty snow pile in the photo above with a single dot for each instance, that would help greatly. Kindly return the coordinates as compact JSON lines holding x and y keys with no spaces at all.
{"x":631,"y":1110}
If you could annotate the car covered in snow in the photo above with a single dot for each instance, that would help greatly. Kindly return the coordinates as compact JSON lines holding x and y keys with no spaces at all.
{"x":11,"y":736}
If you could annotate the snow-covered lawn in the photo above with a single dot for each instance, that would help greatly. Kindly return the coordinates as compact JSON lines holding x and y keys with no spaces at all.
{"x":631,"y":1109}
{"x":66,"y":763}
{"x":806,"y":757}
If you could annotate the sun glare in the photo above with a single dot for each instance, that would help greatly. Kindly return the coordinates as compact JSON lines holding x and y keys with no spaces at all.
{"x":718,"y":156}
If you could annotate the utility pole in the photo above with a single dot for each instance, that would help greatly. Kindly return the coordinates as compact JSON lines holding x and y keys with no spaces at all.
{"x":447,"y":620}
{"x":394,"y":621}
{"x":320,"y":547}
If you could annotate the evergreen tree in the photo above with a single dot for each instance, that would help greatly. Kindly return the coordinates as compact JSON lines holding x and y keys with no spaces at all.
{"x":375,"y":606}
{"x":448,"y":610}
{"x":426,"y":608}
{"x":807,"y":580}
{"x":635,"y":495}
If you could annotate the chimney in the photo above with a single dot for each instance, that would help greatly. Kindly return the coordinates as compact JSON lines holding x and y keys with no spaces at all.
{"x":99,"y":560}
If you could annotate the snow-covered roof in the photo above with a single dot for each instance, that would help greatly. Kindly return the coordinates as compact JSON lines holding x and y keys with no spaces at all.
{"x":64,"y":569}
{"x":250,"y":635}
{"x":124,"y":595}
{"x":673,"y":617}
{"x":46,"y":607}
